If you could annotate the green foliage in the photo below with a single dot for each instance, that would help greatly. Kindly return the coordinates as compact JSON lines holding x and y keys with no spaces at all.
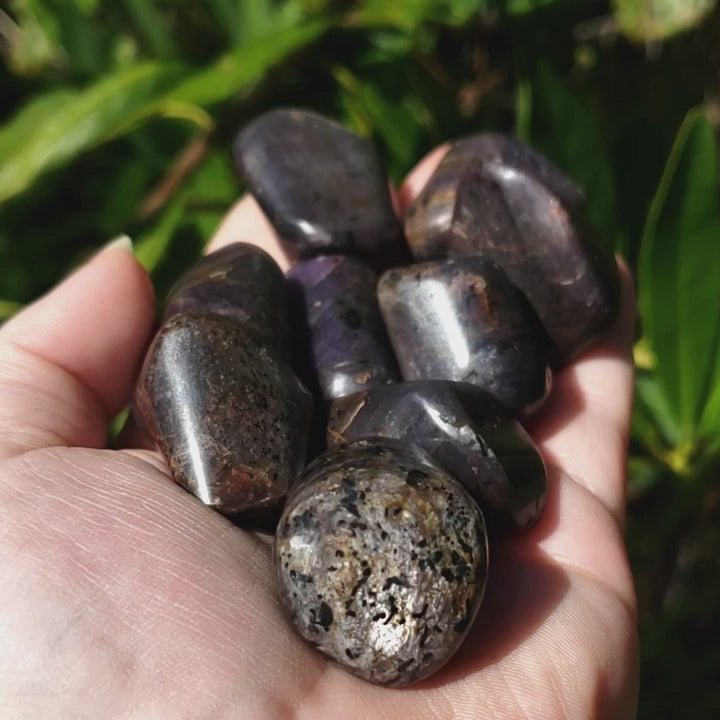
{"x":679,"y":298}
{"x":565,"y":129}
{"x":645,"y":20}
{"x":54,"y":128}
{"x":117,"y":118}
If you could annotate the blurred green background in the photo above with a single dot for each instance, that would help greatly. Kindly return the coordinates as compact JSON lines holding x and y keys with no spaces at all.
{"x":117,"y":117}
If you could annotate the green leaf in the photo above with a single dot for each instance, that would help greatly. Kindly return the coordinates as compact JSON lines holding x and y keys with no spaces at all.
{"x":235,"y":71}
{"x":152,"y":245}
{"x":8,"y":308}
{"x":410,"y":14}
{"x":647,"y":20}
{"x":568,"y":132}
{"x":679,"y":282}
{"x":34,"y":43}
{"x":397,"y":126}
{"x":152,"y":26}
{"x":653,"y":422}
{"x":520,"y":7}
{"x":53,"y":129}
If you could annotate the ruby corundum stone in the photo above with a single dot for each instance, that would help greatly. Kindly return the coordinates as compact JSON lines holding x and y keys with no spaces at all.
{"x":323,"y":187}
{"x":337,"y":325}
{"x":382,"y":560}
{"x":240,"y":281}
{"x":462,"y":430}
{"x":463,"y":320}
{"x":229,"y":415}
{"x":494,"y":197}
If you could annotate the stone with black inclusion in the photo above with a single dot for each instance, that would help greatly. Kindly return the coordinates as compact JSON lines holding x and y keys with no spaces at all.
{"x":382,"y":560}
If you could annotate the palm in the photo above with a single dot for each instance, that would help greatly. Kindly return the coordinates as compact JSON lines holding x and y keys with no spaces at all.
{"x":123,"y":597}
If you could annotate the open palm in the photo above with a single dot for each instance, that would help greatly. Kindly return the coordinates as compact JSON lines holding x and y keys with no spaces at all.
{"x":121,"y":596}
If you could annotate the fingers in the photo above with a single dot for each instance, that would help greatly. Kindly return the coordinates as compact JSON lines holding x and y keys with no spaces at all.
{"x":419,"y":175}
{"x":585,"y":424}
{"x":247,"y":223}
{"x":68,"y":362}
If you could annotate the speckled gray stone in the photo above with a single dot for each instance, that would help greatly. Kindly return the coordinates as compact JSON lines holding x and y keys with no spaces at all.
{"x":382,"y":560}
{"x":464,"y":431}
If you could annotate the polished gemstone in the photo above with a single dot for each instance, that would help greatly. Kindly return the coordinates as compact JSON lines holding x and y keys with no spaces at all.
{"x":241,"y":281}
{"x":322,"y":187}
{"x":461,"y":429}
{"x":229,"y":415}
{"x":463,"y":320}
{"x":498,"y":199}
{"x":382,"y":560}
{"x":338,"y":327}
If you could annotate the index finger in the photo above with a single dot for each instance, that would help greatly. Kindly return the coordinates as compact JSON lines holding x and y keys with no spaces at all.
{"x":246,"y":222}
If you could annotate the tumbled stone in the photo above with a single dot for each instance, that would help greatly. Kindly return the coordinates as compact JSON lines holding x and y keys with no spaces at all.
{"x":498,"y":199}
{"x":382,"y":560}
{"x":463,"y":320}
{"x":241,"y":281}
{"x":229,"y":415}
{"x":337,"y":325}
{"x":322,"y":187}
{"x":465,"y":432}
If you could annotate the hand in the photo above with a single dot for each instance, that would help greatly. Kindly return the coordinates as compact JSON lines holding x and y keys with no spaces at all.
{"x":123,"y":597}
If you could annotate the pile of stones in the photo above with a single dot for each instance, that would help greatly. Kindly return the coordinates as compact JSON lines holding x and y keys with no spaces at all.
{"x":402,"y":357}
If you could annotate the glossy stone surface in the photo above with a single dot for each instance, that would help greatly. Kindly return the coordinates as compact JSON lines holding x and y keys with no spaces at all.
{"x":241,"y":281}
{"x":463,"y":320}
{"x":338,"y":327}
{"x":498,"y":199}
{"x":323,"y":188}
{"x":229,"y":415}
{"x":382,"y":560}
{"x":462,"y":430}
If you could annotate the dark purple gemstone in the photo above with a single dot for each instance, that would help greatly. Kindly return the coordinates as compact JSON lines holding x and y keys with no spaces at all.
{"x":229,"y":415}
{"x":463,"y":320}
{"x":333,"y":305}
{"x":322,"y":187}
{"x":462,"y":430}
{"x":494,"y":197}
{"x":382,"y":560}
{"x":241,"y":281}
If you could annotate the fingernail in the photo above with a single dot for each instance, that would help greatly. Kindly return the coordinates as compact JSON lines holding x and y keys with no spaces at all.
{"x":121,"y":242}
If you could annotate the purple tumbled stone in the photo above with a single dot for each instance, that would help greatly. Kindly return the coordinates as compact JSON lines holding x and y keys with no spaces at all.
{"x":323,"y":188}
{"x":338,"y":327}
{"x":494,"y":197}
{"x":229,"y":415}
{"x":462,"y":320}
{"x":462,"y":430}
{"x":240,"y":281}
{"x":382,"y":560}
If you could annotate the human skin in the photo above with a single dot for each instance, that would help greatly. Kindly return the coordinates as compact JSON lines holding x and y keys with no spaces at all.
{"x":121,"y":596}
